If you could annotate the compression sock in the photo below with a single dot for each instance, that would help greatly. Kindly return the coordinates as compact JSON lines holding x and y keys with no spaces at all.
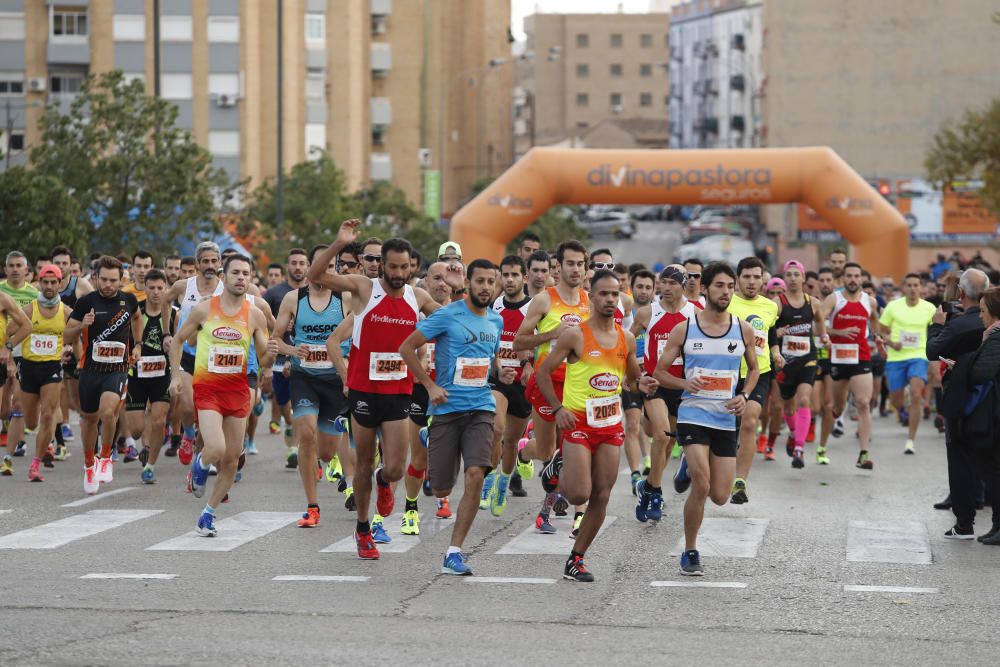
{"x":802,"y":416}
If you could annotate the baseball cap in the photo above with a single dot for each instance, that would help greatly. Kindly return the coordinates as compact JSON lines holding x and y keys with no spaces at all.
{"x":449,"y":247}
{"x":776,"y":283}
{"x":50,"y":270}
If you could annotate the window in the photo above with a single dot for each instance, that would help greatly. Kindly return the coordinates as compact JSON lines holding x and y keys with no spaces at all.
{"x":583,"y":69}
{"x":224,"y":29}
{"x":315,"y":28}
{"x":176,"y":86}
{"x":666,"y":100}
{"x":616,"y":41}
{"x":130,"y":27}
{"x":616,"y":101}
{"x":15,"y":141}
{"x":666,"y":40}
{"x":175,"y":28}
{"x":224,"y":142}
{"x":12,"y":26}
{"x":315,"y":86}
{"x":65,"y":84}
{"x":224,"y":84}
{"x":645,"y":40}
{"x":68,"y":22}
{"x":582,"y":99}
{"x":645,"y":70}
{"x":616,"y":69}
{"x":582,"y":41}
{"x":645,"y":99}
{"x":132,"y":76}
{"x":11,"y":84}
{"x":315,"y":138}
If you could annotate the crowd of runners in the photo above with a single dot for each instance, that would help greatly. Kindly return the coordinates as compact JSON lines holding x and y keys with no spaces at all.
{"x":378,"y":369}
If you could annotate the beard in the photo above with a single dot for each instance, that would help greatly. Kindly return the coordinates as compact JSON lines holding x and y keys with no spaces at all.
{"x":396,"y":283}
{"x":478,"y":301}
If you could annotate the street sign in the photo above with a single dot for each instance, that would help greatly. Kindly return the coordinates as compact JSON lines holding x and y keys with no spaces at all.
{"x":424,"y":155}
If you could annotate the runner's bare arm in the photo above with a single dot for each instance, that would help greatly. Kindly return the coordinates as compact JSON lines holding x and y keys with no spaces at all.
{"x":818,"y":319}
{"x":346,"y":235}
{"x":635,"y":381}
{"x":569,"y":342}
{"x":265,"y":311}
{"x":187,"y":332}
{"x":286,"y":312}
{"x":21,"y":326}
{"x":750,"y":354}
{"x":671,"y":351}
{"x":83,"y":287}
{"x":425,"y":303}
{"x":258,"y":330}
{"x":526,"y":338}
{"x":641,"y":320}
{"x":339,"y":335}
{"x":408,"y":350}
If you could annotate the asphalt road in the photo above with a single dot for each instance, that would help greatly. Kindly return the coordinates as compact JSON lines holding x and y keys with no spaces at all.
{"x":781,"y":563}
{"x":656,"y":241}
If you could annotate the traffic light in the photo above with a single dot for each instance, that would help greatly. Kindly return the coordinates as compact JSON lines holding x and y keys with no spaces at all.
{"x":881,"y":186}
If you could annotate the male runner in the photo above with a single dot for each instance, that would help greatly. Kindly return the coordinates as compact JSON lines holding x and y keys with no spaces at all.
{"x":19,"y":288}
{"x":462,"y":407}
{"x":380,"y":384}
{"x":692,"y":288}
{"x":109,"y":321}
{"x":224,"y":326}
{"x":172,"y":268}
{"x":371,"y":259}
{"x":714,"y":344}
{"x":761,"y":313}
{"x":538,"y":273}
{"x":824,"y":396}
{"x":905,"y":321}
{"x":71,"y":288}
{"x":599,"y":359}
{"x":142,"y":263}
{"x":636,"y":447}
{"x":189,"y":269}
{"x":850,"y":312}
{"x":838,"y":262}
{"x":529,"y":245}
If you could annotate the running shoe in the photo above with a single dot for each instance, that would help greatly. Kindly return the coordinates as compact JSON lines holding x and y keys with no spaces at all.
{"x":186,"y":453}
{"x":958,"y":532}
{"x":682,"y":480}
{"x":49,"y":456}
{"x":550,"y":473}
{"x":560,"y":506}
{"x":148,"y":476}
{"x":486,"y":495}
{"x":273,"y":427}
{"x":251,"y":448}
{"x":188,"y":484}
{"x":691,"y":564}
{"x":904,"y":417}
{"x":577,"y":520}
{"x":171,"y":450}
{"x":811,"y":434}
{"x":444,"y":509}
{"x":258,"y":408}
{"x":739,"y":494}
{"x":131,"y":454}
{"x":62,"y":453}
{"x":428,"y":491}
{"x":516,"y":487}
{"x":424,"y":435}
{"x":644,"y":497}
{"x":288,"y":436}
{"x":411,"y":523}
{"x":798,"y":458}
{"x":761,"y":443}
{"x":525,"y":470}
{"x":838,"y":427}
{"x":35,"y":471}
{"x":864,"y":461}
{"x":90,"y":483}
{"x":908,"y":448}
{"x":340,"y":425}
{"x":22,"y":447}
{"x":144,"y":455}
{"x":543,"y":526}
{"x":334,"y":471}
{"x":647,"y":461}
{"x":498,"y":502}
{"x":636,"y":478}
{"x":576,"y":570}
{"x":67,"y":433}
{"x":6,"y":467}
{"x":385,"y":499}
{"x":105,"y":471}
{"x":821,"y":457}
{"x":341,"y":485}
{"x":212,"y":470}
{"x":769,"y":454}
{"x":206,"y":525}
{"x":456,"y":563}
{"x":292,"y":458}
{"x":350,"y":502}
{"x":677,"y":451}
{"x":790,"y":446}
{"x":199,"y":477}
{"x":120,"y":445}
{"x":939,"y":423}
{"x":310,"y":519}
{"x":378,"y":532}
{"x":366,"y":546}
{"x":655,"y":512}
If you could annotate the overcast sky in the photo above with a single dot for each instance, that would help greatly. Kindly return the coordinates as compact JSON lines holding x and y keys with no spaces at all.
{"x":521,"y":8}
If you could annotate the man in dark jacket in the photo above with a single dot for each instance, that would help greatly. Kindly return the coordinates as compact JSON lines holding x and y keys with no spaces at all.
{"x":960,"y":336}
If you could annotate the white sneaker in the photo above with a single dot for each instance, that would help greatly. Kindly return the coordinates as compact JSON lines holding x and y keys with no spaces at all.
{"x":909,"y":447}
{"x":90,"y":484}
{"x":105,"y":470}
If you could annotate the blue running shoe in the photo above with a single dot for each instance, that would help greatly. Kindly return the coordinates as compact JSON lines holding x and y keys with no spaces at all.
{"x":655,"y":511}
{"x":206,"y":525}
{"x":378,"y":533}
{"x":67,"y":433}
{"x":428,"y":491}
{"x":199,"y":477}
{"x":691,"y":564}
{"x":250,"y":448}
{"x":258,"y":409}
{"x":642,"y":503}
{"x":239,"y":477}
{"x":455,"y":563}
{"x":340,"y":425}
{"x":682,"y":480}
{"x":148,"y":476}
{"x":424,"y":436}
{"x":498,"y":503}
{"x":484,"y":497}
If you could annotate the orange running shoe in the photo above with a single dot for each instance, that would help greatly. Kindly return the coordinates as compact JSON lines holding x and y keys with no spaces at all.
{"x":769,"y":454}
{"x":444,"y":509}
{"x":319,"y":472}
{"x":811,"y":435}
{"x":761,"y":443}
{"x":366,"y":546}
{"x":310,"y":519}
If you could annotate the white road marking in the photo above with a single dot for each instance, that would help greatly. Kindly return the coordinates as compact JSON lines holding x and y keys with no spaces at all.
{"x":57,"y":533}
{"x":697,"y":584}
{"x":507,"y":580}
{"x":888,"y":542}
{"x":6,"y":511}
{"x":233,"y":532}
{"x":887,"y":589}
{"x":100,"y":496}
{"x":528,"y":542}
{"x":400,"y":543}
{"x":321,"y":577}
{"x":126,"y":575}
{"x":728,"y":538}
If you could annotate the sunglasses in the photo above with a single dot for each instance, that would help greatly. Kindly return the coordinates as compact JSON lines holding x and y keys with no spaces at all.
{"x":372,"y":258}
{"x":348,"y":265}
{"x":597,"y":266}
{"x":696,"y":276}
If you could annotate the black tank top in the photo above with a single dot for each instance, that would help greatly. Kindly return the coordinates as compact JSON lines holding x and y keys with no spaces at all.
{"x":799,"y":322}
{"x":68,"y":295}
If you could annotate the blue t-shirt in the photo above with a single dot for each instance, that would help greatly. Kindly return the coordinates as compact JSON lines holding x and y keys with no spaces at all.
{"x":466,"y":344}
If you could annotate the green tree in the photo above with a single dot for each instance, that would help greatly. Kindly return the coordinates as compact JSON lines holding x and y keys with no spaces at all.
{"x":37,"y":213}
{"x":970,"y":149}
{"x":136,"y":178}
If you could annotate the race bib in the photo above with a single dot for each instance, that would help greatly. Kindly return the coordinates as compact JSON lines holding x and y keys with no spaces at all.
{"x":603,"y":412}
{"x":151,"y":367}
{"x":715,"y":383}
{"x":472,"y":371}
{"x":760,"y":341}
{"x":507,"y":356}
{"x":108,"y":352}
{"x":844,"y":353}
{"x":430,"y":356}
{"x":909,"y":339}
{"x":43,"y":344}
{"x":661,"y":345}
{"x":317,"y":358}
{"x":225,"y":359}
{"x":386,"y":366}
{"x":795,"y":346}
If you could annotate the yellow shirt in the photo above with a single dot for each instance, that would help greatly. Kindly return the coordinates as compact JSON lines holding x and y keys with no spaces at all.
{"x":46,"y":340}
{"x":761,"y":314}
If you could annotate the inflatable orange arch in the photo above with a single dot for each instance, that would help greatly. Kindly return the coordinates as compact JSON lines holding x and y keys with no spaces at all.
{"x":817,"y":176}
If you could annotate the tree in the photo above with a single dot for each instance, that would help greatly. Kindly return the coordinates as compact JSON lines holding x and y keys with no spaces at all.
{"x":138,"y":180}
{"x":36,"y":213}
{"x":970,"y":150}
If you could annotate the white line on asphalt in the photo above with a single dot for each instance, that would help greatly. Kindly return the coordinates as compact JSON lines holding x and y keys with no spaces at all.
{"x":508,"y":580}
{"x":888,"y":542}
{"x":77,"y":527}
{"x":728,"y":538}
{"x":528,"y":542}
{"x":697,"y":584}
{"x":126,"y":575}
{"x":100,"y":496}
{"x":233,"y":532}
{"x":400,"y":543}
{"x":887,"y":589}
{"x":321,"y":577}
{"x":5,"y":511}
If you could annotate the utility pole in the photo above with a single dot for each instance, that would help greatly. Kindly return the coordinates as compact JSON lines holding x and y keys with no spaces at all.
{"x":8,"y":132}
{"x":156,"y":68}
{"x":279,"y":192}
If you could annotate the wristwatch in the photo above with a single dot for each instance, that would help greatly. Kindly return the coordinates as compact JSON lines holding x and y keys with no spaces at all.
{"x":746,"y":396}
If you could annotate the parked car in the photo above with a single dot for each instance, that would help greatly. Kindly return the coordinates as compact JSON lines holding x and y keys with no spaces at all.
{"x":719,"y":247}
{"x":614,"y":224}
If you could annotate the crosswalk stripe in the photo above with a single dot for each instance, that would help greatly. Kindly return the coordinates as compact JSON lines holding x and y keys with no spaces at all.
{"x":888,"y":542}
{"x":400,"y":543}
{"x":126,"y":575}
{"x":233,"y":532}
{"x":887,"y":589}
{"x":100,"y":496}
{"x":528,"y":542}
{"x":728,"y":538}
{"x":508,"y":580}
{"x":697,"y":584}
{"x":57,"y":533}
{"x":338,"y":578}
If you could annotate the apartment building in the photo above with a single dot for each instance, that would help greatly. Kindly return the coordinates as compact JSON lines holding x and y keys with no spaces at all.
{"x":370,"y":81}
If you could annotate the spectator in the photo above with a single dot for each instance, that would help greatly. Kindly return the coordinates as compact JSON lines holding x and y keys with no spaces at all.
{"x":940,"y":267}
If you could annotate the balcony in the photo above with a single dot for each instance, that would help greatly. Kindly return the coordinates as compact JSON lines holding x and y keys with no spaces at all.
{"x":737,"y":82}
{"x":381,"y":167}
{"x":738,"y":123}
{"x":708,"y":125}
{"x":381,"y":112}
{"x":737,"y":42}
{"x":381,"y":7}
{"x":60,"y":52}
{"x":381,"y":59}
